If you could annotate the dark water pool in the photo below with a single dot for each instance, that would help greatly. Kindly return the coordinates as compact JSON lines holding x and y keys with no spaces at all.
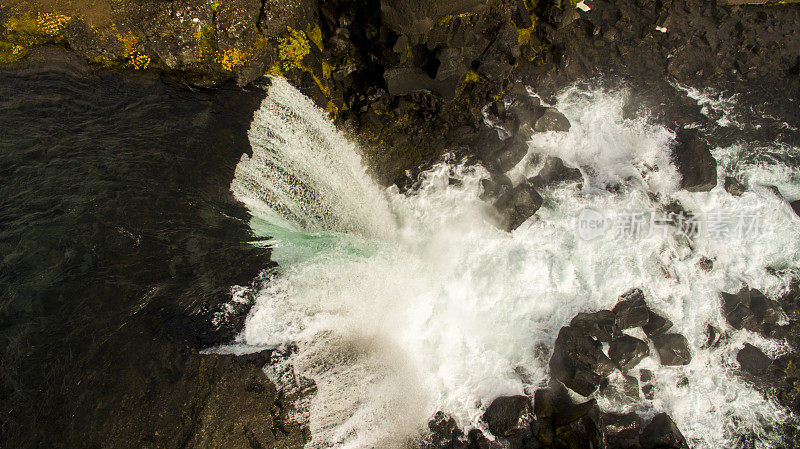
{"x":118,"y":238}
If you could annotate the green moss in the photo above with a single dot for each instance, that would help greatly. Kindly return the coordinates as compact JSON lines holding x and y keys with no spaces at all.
{"x":472,"y":77}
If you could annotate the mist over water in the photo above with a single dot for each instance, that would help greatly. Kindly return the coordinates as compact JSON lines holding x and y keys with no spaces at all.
{"x":401,"y":305}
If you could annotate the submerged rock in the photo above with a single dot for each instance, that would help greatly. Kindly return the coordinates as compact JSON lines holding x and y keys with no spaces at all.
{"x":627,"y":352}
{"x":507,"y":414}
{"x":600,"y":325}
{"x":753,"y":360}
{"x":662,"y":433}
{"x":578,"y":361}
{"x":631,"y":310}
{"x":621,"y":429}
{"x":694,"y":161}
{"x":517,"y":205}
{"x":673,"y":349}
{"x":734,"y":186}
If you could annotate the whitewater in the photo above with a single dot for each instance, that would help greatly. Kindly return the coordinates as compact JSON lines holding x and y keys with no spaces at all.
{"x":398,"y":305}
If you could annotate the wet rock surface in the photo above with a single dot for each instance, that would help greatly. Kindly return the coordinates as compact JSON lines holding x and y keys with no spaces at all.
{"x":631,"y":310}
{"x":672,"y":349}
{"x":578,"y":361}
{"x":627,"y":351}
{"x":696,"y":165}
{"x":517,"y":205}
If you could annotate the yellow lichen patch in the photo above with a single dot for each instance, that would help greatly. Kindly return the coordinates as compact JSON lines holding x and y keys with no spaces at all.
{"x":233,"y":58}
{"x":332,"y":109}
{"x":292,"y":48}
{"x":524,"y":34}
{"x":11,"y":52}
{"x":315,"y":34}
{"x":207,"y":43}
{"x":133,"y":57}
{"x":51,"y":24}
{"x":215,"y":5}
{"x":466,"y":15}
{"x":472,"y":77}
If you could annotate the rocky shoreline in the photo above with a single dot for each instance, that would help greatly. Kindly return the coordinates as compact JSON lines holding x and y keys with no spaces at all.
{"x":413,"y":80}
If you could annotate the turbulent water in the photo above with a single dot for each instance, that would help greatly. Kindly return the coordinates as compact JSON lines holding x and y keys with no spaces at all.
{"x":403,"y":304}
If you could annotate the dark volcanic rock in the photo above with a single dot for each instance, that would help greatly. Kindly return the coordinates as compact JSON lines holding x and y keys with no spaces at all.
{"x":752,"y":310}
{"x":445,"y":433}
{"x":554,"y":171}
{"x":734,"y":186}
{"x":578,"y":361}
{"x":625,"y":391}
{"x":517,"y":205}
{"x":631,"y":310}
{"x":662,"y":433}
{"x":621,"y":429}
{"x":796,"y":207}
{"x":506,"y":414}
{"x":556,"y":404}
{"x":552,"y":120}
{"x":656,"y":324}
{"x":599,"y":325}
{"x":753,"y":360}
{"x":673,"y":349}
{"x":627,"y":351}
{"x":694,"y":161}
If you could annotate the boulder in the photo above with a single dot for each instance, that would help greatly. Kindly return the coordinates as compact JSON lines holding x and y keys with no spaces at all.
{"x":414,"y":18}
{"x":578,"y":361}
{"x":646,"y":378}
{"x":556,"y":404}
{"x":495,"y":186}
{"x":445,"y":432}
{"x":631,"y":310}
{"x":621,"y":429}
{"x":696,"y":165}
{"x":752,"y":310}
{"x":662,"y":433}
{"x":551,"y":120}
{"x":599,"y":325}
{"x":517,"y":205}
{"x":672,"y":349}
{"x":796,"y":207}
{"x":656,"y":325}
{"x":554,"y":171}
{"x":627,"y":352}
{"x":753,"y":360}
{"x":734,"y":186}
{"x":706,"y":264}
{"x":406,"y":80}
{"x":506,"y":414}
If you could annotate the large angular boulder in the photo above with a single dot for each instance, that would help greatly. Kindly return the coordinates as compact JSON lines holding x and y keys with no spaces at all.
{"x":554,"y":171}
{"x":600,"y":325}
{"x":672,"y":349}
{"x":752,"y":310}
{"x":753,"y":360}
{"x":507,"y":414}
{"x":578,"y":361}
{"x":631,"y":310}
{"x":552,"y":120}
{"x":656,"y":324}
{"x":662,"y":433}
{"x":696,"y":165}
{"x":627,"y":352}
{"x":414,"y":19}
{"x":556,"y":404}
{"x":517,"y":205}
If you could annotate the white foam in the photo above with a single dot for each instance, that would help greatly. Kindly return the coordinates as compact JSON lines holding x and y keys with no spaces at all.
{"x":445,"y":312}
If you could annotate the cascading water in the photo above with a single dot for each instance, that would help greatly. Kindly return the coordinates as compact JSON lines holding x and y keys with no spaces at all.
{"x":401,"y":305}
